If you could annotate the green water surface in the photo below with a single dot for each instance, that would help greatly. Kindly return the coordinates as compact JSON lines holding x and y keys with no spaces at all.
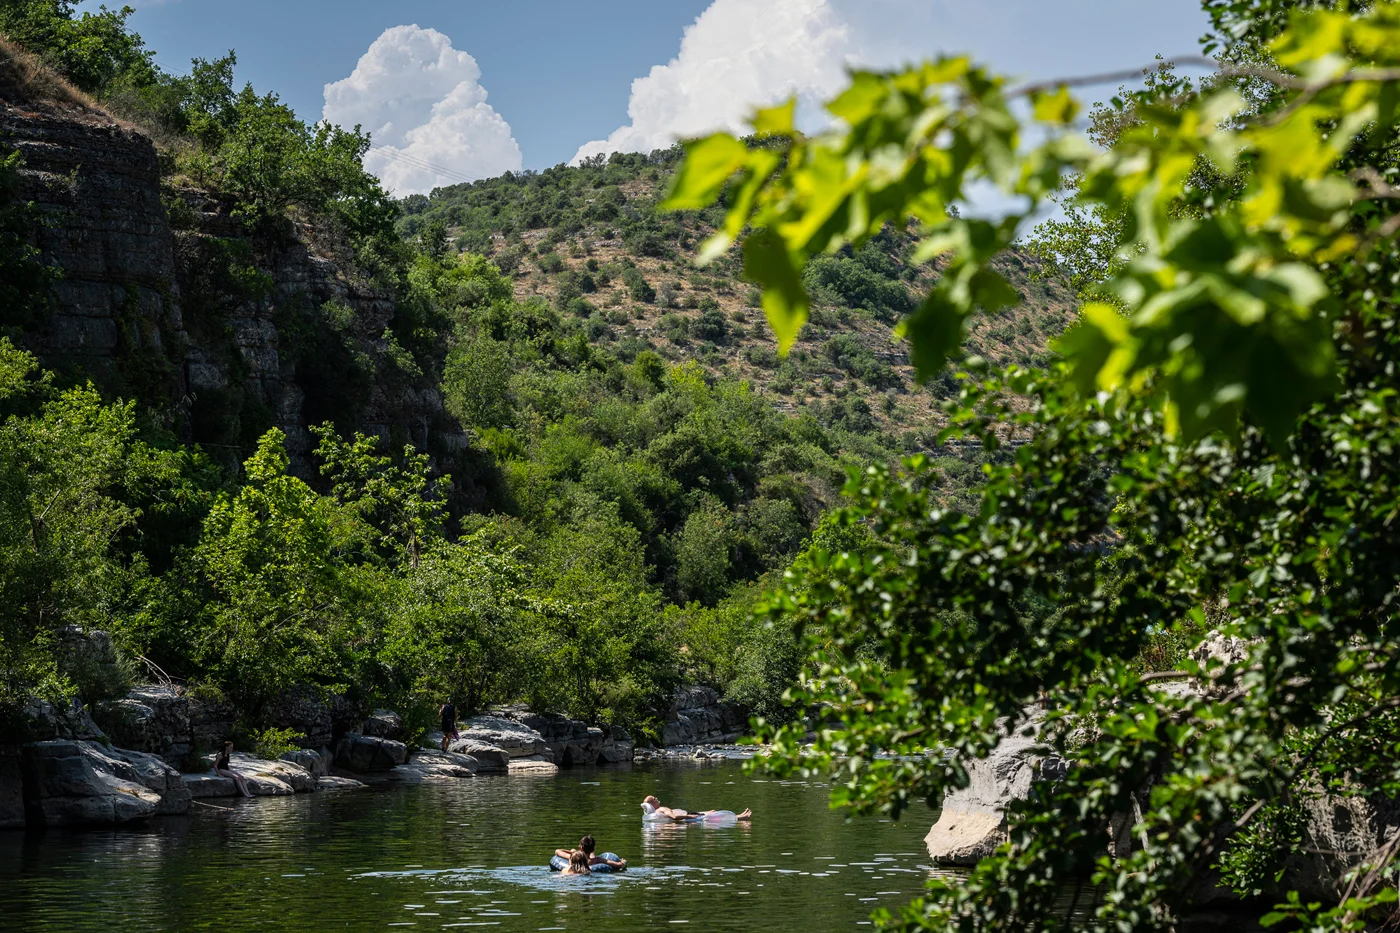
{"x":471,"y":854}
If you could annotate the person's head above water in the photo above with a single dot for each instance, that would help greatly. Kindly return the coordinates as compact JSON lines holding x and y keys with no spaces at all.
{"x":587,"y":844}
{"x":578,"y":862}
{"x":650,"y":801}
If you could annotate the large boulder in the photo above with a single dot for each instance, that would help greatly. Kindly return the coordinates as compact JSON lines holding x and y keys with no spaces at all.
{"x":274,"y":774}
{"x":157,"y":776}
{"x":317,"y":763}
{"x":514,"y":738}
{"x":1219,"y":648}
{"x":68,"y":783}
{"x":972,"y":822}
{"x":489,"y":759}
{"x":432,"y":766}
{"x":384,"y":724}
{"x":208,"y":785}
{"x":364,"y":753}
{"x":533,"y":764}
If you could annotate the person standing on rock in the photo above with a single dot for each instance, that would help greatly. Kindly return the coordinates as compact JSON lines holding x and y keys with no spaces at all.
{"x":448,"y":712}
{"x":223,"y":768}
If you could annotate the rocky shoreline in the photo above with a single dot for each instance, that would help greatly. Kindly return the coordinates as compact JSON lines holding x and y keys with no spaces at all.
{"x":151,"y":752}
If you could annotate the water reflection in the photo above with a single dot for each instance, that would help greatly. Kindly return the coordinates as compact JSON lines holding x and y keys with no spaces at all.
{"x":474,"y":853}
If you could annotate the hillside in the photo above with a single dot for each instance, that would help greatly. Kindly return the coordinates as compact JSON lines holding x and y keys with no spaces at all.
{"x":589,"y":241}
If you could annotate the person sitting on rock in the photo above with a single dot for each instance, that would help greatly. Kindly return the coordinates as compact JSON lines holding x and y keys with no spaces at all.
{"x":587,"y":845}
{"x":448,"y":712}
{"x":578,"y":864}
{"x":223,"y":768}
{"x":653,"y":811}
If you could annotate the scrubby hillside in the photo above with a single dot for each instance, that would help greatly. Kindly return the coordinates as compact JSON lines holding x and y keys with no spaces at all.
{"x":590,"y":242}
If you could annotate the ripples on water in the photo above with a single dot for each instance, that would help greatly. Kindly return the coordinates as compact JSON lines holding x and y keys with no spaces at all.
{"x":473,"y":853}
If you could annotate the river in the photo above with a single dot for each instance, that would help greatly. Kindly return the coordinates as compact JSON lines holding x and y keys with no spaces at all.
{"x":471,"y":854}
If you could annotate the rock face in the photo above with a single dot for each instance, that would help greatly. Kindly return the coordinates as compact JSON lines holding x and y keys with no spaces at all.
{"x":11,"y":788}
{"x":699,"y":717}
{"x":567,"y":742}
{"x":514,"y":738}
{"x":158,"y":303}
{"x":1342,"y":833}
{"x":307,"y":713}
{"x":365,"y":753}
{"x":168,"y":722}
{"x":158,"y":777}
{"x":384,"y":724}
{"x":68,"y":783}
{"x":317,"y":763}
{"x":44,"y":721}
{"x":618,"y":746}
{"x":972,"y":822}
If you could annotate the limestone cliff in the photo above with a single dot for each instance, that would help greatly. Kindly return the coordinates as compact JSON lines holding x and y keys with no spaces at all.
{"x":162,"y":296}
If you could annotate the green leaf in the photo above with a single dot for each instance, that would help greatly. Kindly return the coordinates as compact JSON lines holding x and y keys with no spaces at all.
{"x":768,"y":263}
{"x":934,"y":331}
{"x":776,"y":121}
{"x":1090,"y":345}
{"x":708,"y":164}
{"x":1058,"y":106}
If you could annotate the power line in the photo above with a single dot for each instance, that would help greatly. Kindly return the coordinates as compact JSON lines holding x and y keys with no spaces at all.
{"x":416,"y":162}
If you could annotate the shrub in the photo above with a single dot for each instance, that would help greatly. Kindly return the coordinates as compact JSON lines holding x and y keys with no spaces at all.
{"x":272,"y":743}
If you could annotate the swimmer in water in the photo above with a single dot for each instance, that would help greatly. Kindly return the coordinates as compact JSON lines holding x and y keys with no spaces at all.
{"x":578,"y":864}
{"x":587,"y":845}
{"x":653,"y":811}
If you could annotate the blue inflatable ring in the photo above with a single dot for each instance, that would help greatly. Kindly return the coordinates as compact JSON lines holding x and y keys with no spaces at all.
{"x":559,"y":863}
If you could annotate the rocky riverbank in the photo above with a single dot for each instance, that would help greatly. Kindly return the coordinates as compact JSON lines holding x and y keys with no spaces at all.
{"x":151,"y":752}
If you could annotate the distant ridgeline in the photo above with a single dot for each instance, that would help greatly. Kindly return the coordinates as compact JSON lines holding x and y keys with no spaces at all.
{"x":589,"y":241}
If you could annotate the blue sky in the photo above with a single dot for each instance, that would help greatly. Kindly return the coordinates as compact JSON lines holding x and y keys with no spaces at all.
{"x":479,"y":87}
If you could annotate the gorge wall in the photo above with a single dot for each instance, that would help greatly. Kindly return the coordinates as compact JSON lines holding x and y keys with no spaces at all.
{"x":164,"y":297}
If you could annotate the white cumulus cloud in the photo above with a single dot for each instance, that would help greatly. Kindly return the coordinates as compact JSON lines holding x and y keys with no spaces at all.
{"x":422,"y":102}
{"x":737,"y":55}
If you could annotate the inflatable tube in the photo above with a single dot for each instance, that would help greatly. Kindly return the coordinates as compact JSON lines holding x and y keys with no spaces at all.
{"x":559,"y":863}
{"x":714,"y":816}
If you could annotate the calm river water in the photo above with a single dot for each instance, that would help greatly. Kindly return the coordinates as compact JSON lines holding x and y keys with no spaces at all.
{"x":472,"y":854}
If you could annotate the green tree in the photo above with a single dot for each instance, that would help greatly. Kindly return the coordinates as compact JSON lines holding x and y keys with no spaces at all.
{"x":92,"y":50}
{"x":281,"y":606}
{"x":466,"y":628}
{"x":702,"y":554}
{"x":70,"y":469}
